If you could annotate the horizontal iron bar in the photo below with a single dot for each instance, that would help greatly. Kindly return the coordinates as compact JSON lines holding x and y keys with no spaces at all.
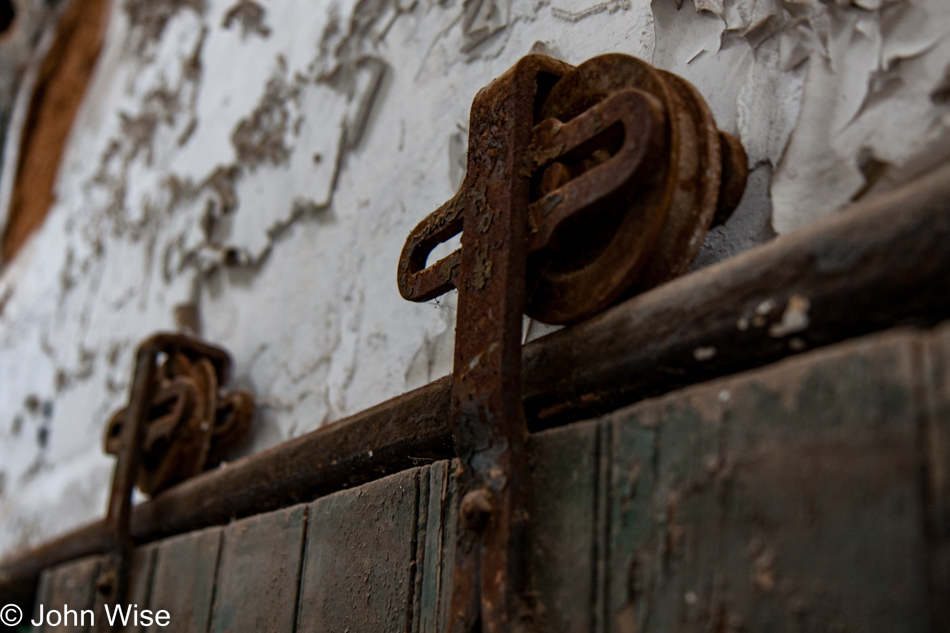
{"x":884,"y":262}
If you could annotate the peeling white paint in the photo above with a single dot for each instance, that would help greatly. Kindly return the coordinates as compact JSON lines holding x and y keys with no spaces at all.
{"x":249,"y":170}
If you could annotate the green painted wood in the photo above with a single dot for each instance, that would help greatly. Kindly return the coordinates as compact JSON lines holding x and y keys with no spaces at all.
{"x":812,"y":495}
{"x":561,"y":540}
{"x":358,"y":572}
{"x":72,"y":585}
{"x":434,"y":499}
{"x":631,"y":447}
{"x":440,"y":547}
{"x":783,"y":499}
{"x":184,"y":578}
{"x":259,"y":572}
{"x":936,"y":449}
{"x":422,"y":544}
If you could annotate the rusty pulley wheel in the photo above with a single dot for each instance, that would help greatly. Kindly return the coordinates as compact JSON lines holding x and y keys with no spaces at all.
{"x":190,"y":423}
{"x":647,"y":231}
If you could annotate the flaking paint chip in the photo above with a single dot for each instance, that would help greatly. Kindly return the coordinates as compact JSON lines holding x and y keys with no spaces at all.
{"x":794,"y":319}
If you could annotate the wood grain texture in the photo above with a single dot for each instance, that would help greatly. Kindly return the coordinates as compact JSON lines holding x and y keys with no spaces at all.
{"x":881,"y":263}
{"x":259,"y":572}
{"x":936,"y":454}
{"x":184,"y":578}
{"x":43,"y":592}
{"x":440,"y":536}
{"x":139,"y":591}
{"x":140,"y":582}
{"x":783,"y":499}
{"x":561,"y":554}
{"x":811,"y":495}
{"x":434,"y":576}
{"x":72,"y":585}
{"x":358,"y":572}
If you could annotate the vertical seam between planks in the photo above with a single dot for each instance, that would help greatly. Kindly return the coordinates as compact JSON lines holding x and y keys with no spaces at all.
{"x":648,"y":589}
{"x":600,"y":537}
{"x":720,"y":590}
{"x":443,"y":510}
{"x":304,"y":539}
{"x":417,"y":556}
{"x":93,"y":595}
{"x":925,"y":370}
{"x":214,"y":583}
{"x":150,"y":576}
{"x":150,"y":559}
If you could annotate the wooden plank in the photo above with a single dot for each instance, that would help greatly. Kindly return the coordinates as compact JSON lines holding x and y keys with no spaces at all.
{"x":936,"y":453}
{"x":880,"y":263}
{"x":421,"y":545}
{"x":43,"y":593}
{"x":358,"y":568}
{"x":72,"y":585}
{"x":561,"y":528}
{"x":140,"y":582}
{"x":435,"y":584}
{"x":183,"y":580}
{"x":139,"y":590}
{"x":140,"y":577}
{"x":783,"y":499}
{"x":260,"y":572}
{"x":632,"y":475}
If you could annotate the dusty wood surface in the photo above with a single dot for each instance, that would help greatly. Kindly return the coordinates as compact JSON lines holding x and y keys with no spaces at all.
{"x":72,"y":584}
{"x":139,"y":590}
{"x":883,"y":263}
{"x":562,"y":554}
{"x":358,"y":573}
{"x":810,"y":495}
{"x":183,"y":582}
{"x":259,"y":573}
{"x":789,"y":497}
{"x":438,"y":549}
{"x":936,"y":451}
{"x":43,"y":591}
{"x":140,"y":583}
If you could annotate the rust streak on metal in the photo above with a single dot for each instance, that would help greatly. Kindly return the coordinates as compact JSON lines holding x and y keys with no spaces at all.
{"x":552,"y":149}
{"x":883,"y":263}
{"x":157,"y":451}
{"x":191,"y":420}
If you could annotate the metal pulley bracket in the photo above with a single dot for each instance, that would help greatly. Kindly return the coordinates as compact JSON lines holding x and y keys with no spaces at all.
{"x":191,"y":420}
{"x":583,"y":186}
{"x":176,"y":425}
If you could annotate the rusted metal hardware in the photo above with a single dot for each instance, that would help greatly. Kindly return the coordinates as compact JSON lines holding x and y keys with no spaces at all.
{"x":190,"y":422}
{"x":174,"y":427}
{"x":895,"y":273}
{"x":583,"y":185}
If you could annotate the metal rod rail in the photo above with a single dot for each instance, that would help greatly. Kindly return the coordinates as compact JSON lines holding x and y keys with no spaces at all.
{"x":884,"y":262}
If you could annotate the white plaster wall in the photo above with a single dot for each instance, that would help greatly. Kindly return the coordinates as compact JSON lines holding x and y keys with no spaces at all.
{"x":251,"y":170}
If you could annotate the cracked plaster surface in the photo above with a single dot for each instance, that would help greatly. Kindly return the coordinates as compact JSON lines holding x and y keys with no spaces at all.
{"x":249,"y":171}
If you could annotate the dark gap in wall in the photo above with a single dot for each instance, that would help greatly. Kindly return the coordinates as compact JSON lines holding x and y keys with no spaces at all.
{"x":7,"y":15}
